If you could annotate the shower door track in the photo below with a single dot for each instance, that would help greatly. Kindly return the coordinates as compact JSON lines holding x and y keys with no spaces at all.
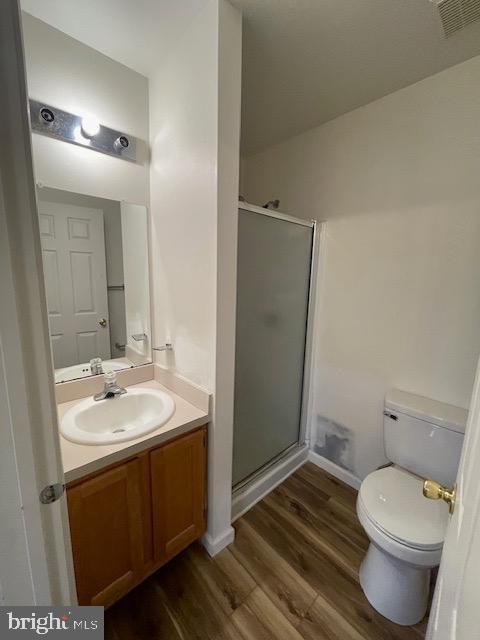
{"x":308,"y":357}
{"x":272,"y":213}
{"x":268,"y":465}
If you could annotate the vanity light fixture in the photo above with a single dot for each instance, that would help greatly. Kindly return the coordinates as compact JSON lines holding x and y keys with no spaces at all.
{"x":84,"y":130}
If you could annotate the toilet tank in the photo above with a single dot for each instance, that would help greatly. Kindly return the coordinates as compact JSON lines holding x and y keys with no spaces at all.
{"x":424,"y":436}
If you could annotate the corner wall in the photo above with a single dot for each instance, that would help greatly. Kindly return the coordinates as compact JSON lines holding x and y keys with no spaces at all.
{"x":194,"y":128}
{"x":219,"y":531}
{"x":397,"y":182}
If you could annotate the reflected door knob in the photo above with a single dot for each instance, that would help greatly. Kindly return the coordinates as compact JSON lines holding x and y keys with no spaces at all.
{"x":103,"y":322}
{"x":435,"y":491}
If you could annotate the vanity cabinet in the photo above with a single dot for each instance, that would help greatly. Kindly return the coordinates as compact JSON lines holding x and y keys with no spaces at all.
{"x":128,"y":520}
{"x":106,"y":531}
{"x":178,"y":494}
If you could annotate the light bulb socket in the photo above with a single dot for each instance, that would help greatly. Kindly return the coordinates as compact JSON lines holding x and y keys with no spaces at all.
{"x":46,"y":116}
{"x":121,"y":143}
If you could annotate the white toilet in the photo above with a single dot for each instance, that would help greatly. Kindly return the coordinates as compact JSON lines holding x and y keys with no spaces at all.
{"x":423,"y":440}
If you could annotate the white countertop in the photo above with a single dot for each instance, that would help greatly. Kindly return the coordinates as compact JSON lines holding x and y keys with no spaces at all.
{"x":80,"y":460}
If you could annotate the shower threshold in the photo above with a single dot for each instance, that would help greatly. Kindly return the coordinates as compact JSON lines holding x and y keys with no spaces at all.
{"x":249,"y":491}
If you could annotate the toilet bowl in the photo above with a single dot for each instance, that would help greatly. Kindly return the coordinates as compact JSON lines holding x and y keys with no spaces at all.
{"x":406,"y":534}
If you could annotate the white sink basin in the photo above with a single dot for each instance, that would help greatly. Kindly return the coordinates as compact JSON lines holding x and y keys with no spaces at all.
{"x":119,"y":419}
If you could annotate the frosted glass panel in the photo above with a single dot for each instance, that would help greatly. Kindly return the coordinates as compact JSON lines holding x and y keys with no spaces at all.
{"x":274,"y":259}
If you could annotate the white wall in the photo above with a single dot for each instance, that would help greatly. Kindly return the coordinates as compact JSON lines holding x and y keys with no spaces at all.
{"x":69,"y":75}
{"x":398,"y":183}
{"x":183,"y":131}
{"x":194,"y":127}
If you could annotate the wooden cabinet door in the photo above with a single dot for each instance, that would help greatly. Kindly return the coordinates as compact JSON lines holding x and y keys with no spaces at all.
{"x":178,"y":494}
{"x":107,"y":537}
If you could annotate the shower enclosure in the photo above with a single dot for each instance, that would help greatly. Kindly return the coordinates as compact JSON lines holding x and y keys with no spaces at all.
{"x":274,"y":303}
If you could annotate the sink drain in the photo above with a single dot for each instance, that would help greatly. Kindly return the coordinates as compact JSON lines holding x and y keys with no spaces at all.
{"x":118,"y":430}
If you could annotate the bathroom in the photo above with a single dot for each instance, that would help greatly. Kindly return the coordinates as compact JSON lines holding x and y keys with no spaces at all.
{"x":276,"y":377}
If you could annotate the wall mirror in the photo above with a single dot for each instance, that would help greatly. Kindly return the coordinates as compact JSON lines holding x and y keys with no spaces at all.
{"x":95,"y":263}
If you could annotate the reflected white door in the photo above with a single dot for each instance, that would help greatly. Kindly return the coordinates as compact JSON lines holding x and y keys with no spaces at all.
{"x":455,"y":611}
{"x":73,"y":248}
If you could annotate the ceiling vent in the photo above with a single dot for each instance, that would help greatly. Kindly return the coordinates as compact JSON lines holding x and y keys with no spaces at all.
{"x":457,"y":14}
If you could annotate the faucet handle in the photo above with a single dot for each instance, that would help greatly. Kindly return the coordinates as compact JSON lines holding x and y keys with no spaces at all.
{"x":111,"y":388}
{"x":110,"y":377}
{"x":96,"y":366}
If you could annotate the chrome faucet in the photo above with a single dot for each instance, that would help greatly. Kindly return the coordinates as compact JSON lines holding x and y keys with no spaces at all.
{"x":96,"y":366}
{"x":111,"y":388}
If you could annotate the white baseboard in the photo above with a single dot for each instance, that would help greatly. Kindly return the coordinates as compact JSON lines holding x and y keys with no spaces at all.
{"x":245,"y":498}
{"x":335,"y":470}
{"x":215,"y":545}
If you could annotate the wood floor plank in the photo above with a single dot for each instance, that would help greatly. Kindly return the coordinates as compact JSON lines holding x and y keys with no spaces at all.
{"x":291,"y":574}
{"x":327,"y":484}
{"x":110,"y":631}
{"x":259,"y":619}
{"x":331,"y":512}
{"x":227,"y":580}
{"x":139,"y":615}
{"x":323,"y":622}
{"x":347,"y":516}
{"x":318,"y":531}
{"x":281,"y":583}
{"x":326,"y":578}
{"x":309,"y":561}
{"x":194,"y":609}
{"x":242,"y":581}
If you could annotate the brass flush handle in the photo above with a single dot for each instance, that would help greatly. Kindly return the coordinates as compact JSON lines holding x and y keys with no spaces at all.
{"x":435,"y":491}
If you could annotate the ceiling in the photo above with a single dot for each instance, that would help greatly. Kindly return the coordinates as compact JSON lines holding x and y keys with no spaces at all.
{"x":304,"y":61}
{"x":308,"y":61}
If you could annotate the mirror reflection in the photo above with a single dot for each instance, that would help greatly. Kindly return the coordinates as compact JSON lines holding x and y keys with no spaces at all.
{"x":95,"y":263}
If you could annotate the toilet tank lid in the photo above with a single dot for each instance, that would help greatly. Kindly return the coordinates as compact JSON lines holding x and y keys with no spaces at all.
{"x":438,"y":413}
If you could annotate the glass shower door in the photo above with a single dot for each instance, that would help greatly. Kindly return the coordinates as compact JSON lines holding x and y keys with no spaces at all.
{"x":273,"y":283}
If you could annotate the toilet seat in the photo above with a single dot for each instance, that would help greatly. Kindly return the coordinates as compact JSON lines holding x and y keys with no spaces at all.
{"x":399,"y":520}
{"x":393,"y":500}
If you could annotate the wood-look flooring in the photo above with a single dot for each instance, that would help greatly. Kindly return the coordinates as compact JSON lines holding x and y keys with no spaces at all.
{"x":291,"y":574}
